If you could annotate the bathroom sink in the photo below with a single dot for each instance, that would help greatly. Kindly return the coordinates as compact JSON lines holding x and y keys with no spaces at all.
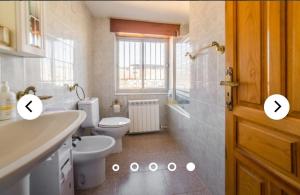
{"x":24,"y":144}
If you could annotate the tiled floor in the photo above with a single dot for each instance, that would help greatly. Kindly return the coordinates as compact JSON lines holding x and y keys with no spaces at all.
{"x":144,"y":149}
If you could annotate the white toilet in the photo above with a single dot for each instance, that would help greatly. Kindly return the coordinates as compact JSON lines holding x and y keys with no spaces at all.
{"x":89,"y":160}
{"x":115,"y":127}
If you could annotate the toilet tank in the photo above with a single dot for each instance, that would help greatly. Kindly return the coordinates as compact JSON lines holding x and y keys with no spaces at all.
{"x":91,"y":107}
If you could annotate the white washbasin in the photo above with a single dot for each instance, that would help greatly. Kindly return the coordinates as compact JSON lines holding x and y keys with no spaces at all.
{"x":23,"y":144}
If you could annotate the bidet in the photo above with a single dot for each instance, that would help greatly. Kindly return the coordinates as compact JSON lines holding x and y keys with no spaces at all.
{"x":89,"y":160}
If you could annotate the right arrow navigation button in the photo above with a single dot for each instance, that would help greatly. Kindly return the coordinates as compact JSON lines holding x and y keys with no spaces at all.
{"x":279,"y":106}
{"x":276,"y":107}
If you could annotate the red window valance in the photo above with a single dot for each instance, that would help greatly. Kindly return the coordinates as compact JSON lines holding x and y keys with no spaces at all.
{"x":132,"y":26}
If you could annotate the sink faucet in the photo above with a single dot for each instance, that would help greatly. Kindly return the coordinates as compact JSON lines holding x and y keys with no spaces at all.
{"x":27,"y":91}
{"x":30,"y":88}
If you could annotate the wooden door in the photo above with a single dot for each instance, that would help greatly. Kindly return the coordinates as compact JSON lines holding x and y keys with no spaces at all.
{"x":263,"y":49}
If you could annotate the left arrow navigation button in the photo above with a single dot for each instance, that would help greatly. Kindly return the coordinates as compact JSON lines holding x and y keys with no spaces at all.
{"x":30,"y":107}
{"x":27,"y":106}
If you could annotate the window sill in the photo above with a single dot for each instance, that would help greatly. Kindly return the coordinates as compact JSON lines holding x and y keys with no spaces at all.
{"x":180,"y":110}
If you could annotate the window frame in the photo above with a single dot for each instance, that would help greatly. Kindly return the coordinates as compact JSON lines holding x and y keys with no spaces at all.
{"x":177,"y":92}
{"x":141,"y":90}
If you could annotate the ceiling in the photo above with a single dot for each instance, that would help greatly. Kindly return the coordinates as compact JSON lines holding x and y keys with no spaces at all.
{"x":175,"y":12}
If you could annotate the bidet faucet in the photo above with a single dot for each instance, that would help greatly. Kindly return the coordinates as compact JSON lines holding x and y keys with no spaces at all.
{"x":74,"y":138}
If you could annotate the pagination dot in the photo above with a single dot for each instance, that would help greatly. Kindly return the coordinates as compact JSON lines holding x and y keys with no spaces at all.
{"x":190,"y":166}
{"x":115,"y":167}
{"x":134,"y":167}
{"x":153,"y":166}
{"x":171,"y":166}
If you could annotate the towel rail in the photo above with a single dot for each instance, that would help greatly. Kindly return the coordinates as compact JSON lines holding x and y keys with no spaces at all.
{"x":219,"y":48}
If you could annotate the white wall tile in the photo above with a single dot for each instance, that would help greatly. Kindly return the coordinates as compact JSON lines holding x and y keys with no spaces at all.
{"x":64,"y":20}
{"x":103,"y":73}
{"x":203,"y":135}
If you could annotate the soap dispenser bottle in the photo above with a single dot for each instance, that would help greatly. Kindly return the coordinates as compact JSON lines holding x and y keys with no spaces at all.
{"x":7,"y":102}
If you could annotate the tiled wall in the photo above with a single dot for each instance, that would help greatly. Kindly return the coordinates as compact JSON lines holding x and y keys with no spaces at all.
{"x":69,"y":29}
{"x":103,"y":77}
{"x":203,"y":134}
{"x":68,"y":42}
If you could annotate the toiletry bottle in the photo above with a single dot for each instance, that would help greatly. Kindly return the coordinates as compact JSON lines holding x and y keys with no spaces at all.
{"x":7,"y":102}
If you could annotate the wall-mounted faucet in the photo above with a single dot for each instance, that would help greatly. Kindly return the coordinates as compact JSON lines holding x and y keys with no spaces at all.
{"x":28,"y":90}
{"x":72,"y":87}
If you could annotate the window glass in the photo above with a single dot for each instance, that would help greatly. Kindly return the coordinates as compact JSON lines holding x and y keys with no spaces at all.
{"x":182,"y":67}
{"x":142,"y":63}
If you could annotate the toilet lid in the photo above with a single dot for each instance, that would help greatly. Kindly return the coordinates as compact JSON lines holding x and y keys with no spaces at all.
{"x":114,"y":122}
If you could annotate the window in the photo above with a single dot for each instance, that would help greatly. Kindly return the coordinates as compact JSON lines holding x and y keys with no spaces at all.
{"x":142,"y":64}
{"x":182,"y":71}
{"x":58,"y":66}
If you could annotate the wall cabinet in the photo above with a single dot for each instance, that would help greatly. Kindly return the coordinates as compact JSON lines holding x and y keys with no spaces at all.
{"x":25,"y":20}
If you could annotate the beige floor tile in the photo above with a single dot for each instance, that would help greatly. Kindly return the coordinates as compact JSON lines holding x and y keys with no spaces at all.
{"x":205,"y":191}
{"x":183,"y":181}
{"x":144,"y":149}
{"x":143,"y":183}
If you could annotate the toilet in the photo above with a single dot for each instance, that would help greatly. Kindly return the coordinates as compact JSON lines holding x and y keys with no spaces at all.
{"x":89,"y":160}
{"x":115,"y":127}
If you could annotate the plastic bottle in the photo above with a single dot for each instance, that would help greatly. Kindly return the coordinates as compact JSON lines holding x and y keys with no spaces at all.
{"x":7,"y":102}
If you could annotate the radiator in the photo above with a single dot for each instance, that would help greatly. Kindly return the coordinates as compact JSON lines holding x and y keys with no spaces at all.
{"x":144,"y":115}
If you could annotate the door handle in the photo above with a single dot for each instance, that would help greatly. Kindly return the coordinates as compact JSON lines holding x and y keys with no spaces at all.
{"x":229,"y":84}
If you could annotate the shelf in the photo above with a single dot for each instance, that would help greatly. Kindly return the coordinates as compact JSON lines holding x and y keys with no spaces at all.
{"x":7,"y":50}
{"x":11,"y":51}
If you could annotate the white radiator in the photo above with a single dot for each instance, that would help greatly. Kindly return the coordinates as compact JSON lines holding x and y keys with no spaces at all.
{"x":144,"y":115}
